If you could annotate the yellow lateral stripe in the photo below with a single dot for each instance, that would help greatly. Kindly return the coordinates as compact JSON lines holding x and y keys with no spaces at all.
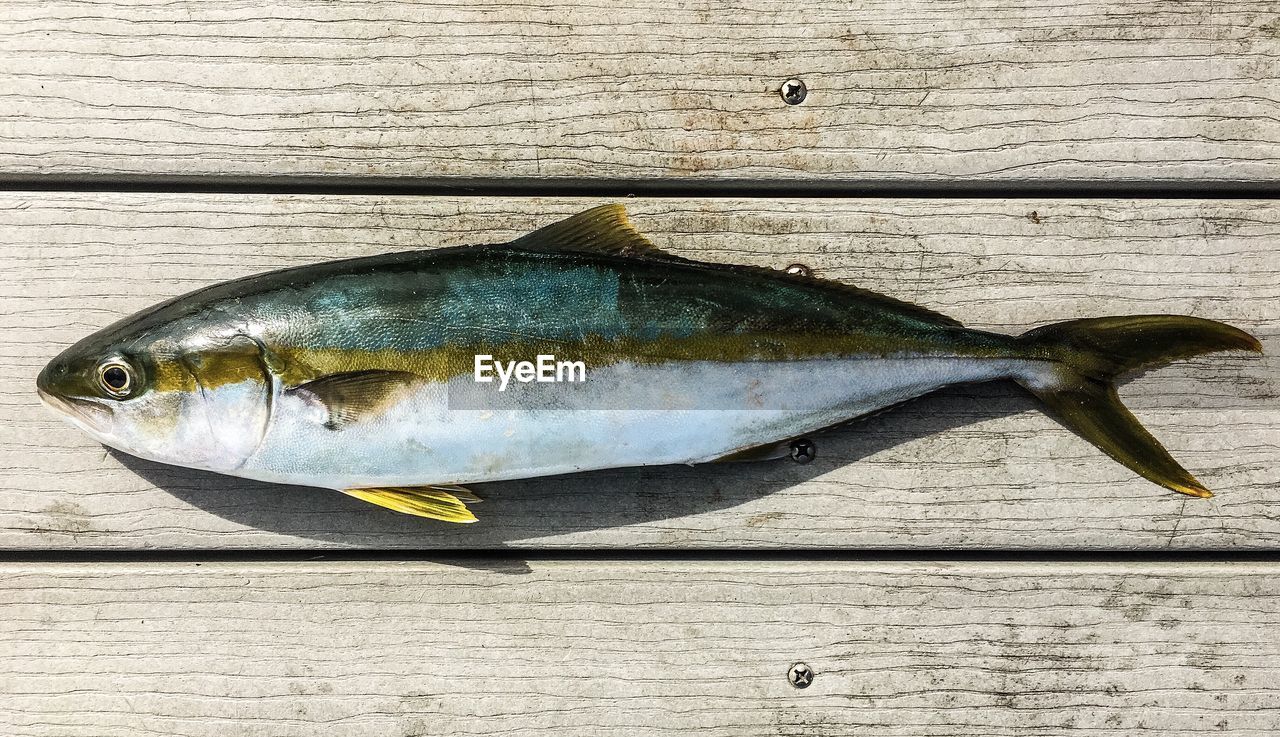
{"x":300,"y":365}
{"x":445,"y":362}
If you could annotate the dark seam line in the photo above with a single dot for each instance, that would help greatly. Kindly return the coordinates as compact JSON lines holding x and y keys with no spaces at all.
{"x":590,"y":555}
{"x":621,"y":187}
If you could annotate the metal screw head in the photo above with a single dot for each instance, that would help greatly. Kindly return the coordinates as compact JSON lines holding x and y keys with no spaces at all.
{"x":803,"y":450}
{"x":799,"y":270}
{"x":793,"y":91}
{"x":800,"y":675}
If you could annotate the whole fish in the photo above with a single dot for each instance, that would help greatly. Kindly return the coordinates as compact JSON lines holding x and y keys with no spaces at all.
{"x":400,"y":378}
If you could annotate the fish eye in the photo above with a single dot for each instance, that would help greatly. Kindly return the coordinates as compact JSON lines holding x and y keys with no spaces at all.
{"x":116,"y":378}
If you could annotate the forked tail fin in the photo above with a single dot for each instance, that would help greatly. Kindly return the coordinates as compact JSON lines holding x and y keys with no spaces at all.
{"x":1087,"y":357}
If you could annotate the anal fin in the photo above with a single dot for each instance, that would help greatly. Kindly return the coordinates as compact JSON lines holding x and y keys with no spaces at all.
{"x":462,"y":493}
{"x":766,"y":452}
{"x":444,"y":502}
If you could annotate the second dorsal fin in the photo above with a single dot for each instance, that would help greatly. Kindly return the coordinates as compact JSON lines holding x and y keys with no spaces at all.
{"x":603,"y":229}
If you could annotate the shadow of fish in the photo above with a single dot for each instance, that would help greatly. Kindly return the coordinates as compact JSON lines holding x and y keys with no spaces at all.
{"x":400,"y":378}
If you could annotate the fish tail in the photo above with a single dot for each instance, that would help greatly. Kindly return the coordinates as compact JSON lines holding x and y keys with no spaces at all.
{"x":1085,"y":359}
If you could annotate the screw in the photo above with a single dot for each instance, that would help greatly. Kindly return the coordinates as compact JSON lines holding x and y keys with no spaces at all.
{"x":799,"y":270}
{"x":793,"y":91}
{"x":803,"y":450}
{"x":800,"y":675}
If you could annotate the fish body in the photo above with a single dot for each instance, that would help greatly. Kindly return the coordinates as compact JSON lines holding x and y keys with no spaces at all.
{"x":363,"y":375}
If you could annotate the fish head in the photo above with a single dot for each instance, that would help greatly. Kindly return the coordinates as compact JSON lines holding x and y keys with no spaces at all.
{"x":196,"y":401}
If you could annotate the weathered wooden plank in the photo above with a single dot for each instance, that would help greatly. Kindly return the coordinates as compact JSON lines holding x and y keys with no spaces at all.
{"x":988,"y":650}
{"x":977,"y":467}
{"x":914,"y":91}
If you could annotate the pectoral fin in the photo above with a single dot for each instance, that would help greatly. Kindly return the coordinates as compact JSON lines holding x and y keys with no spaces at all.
{"x":356,"y":395}
{"x":447,"y":503}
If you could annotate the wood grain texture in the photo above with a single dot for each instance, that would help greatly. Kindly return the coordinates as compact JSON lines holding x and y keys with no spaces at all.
{"x":976,"y":467}
{"x":899,"y":91}
{"x":638,"y":649}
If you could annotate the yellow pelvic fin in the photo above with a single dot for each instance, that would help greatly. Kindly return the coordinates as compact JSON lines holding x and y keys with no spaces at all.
{"x":447,"y":503}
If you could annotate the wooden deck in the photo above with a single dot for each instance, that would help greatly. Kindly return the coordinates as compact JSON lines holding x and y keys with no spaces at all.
{"x":961,"y":566}
{"x":352,"y":649}
{"x":907,"y":92}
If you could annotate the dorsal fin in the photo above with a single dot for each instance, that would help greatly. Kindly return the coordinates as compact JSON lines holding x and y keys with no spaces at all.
{"x":607,"y":230}
{"x":604,"y":229}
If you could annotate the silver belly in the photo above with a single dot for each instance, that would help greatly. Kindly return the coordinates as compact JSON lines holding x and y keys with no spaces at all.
{"x":622,"y":415}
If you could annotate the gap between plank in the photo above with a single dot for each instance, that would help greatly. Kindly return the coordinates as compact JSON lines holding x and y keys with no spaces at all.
{"x":622,"y":187}
{"x":588,"y":555}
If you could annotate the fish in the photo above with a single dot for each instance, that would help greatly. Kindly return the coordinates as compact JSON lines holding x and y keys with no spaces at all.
{"x":379,"y":376}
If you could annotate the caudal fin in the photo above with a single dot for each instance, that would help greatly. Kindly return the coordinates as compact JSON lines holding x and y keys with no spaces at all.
{"x":1088,"y":355}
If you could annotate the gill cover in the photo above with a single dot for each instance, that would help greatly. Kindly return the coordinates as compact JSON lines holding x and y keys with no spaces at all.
{"x":236,"y":392}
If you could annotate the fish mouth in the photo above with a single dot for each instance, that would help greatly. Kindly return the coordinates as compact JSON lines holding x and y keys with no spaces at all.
{"x":89,"y":415}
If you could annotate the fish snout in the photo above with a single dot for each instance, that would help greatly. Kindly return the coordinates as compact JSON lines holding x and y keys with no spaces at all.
{"x":54,"y":379}
{"x":49,"y":375}
{"x":52,"y":384}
